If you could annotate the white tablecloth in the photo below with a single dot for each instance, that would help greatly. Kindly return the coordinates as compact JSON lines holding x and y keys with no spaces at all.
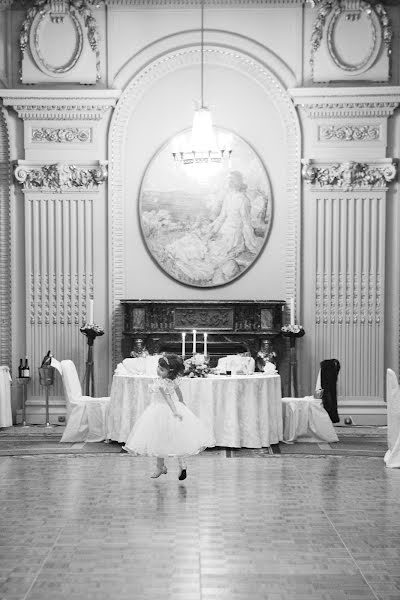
{"x":241,"y":411}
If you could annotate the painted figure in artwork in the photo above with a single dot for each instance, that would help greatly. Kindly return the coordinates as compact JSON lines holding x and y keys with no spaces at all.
{"x":233,"y":224}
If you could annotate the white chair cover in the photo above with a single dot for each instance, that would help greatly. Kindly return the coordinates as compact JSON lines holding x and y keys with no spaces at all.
{"x":5,"y":397}
{"x":236,"y":364}
{"x":306,"y":420}
{"x":392,"y":456}
{"x":86,"y":416}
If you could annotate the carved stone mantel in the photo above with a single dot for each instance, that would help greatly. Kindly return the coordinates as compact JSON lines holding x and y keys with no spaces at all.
{"x":233,"y":325}
{"x":350,"y":175}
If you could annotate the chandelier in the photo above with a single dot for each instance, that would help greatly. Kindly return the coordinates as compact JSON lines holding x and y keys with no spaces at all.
{"x":203,"y":147}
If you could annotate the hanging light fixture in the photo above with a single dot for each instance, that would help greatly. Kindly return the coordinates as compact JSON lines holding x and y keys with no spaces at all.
{"x":203,"y":146}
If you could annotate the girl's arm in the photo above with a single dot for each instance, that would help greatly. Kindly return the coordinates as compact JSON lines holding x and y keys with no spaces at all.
{"x":170,"y":403}
{"x":179,"y":394}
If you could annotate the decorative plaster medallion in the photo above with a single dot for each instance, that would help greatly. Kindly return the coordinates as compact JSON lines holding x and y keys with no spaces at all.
{"x":46,"y":10}
{"x":59,"y":177}
{"x":61,"y":135}
{"x":350,"y":175}
{"x":350,"y":133}
{"x":331,"y":12}
{"x":35,"y":35}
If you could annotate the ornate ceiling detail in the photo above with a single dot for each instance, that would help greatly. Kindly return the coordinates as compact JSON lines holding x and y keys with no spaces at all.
{"x":61,"y":134}
{"x":350,"y":176}
{"x":350,"y":133}
{"x":60,"y":177}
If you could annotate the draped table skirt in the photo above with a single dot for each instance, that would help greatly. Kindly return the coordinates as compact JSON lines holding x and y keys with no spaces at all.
{"x":241,"y":411}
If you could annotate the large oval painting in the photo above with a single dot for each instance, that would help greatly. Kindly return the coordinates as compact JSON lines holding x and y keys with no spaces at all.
{"x":205,"y":224}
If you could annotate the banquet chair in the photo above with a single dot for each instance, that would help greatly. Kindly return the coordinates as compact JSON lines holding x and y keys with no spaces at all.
{"x":306,"y":420}
{"x":86,"y":416}
{"x":5,"y":397}
{"x":392,"y":456}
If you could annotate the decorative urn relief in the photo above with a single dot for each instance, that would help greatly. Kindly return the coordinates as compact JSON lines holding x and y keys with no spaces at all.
{"x":44,"y":58}
{"x":351,"y":39}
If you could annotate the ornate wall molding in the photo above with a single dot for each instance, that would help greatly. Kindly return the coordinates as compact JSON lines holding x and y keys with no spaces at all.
{"x":5,"y":247}
{"x":350,"y":175}
{"x":60,"y":177}
{"x":350,"y":133}
{"x":228,"y":57}
{"x":52,"y":105}
{"x":197,"y":3}
{"x":339,"y":103}
{"x":61,"y":135}
{"x":349,"y":287}
{"x":349,"y":109}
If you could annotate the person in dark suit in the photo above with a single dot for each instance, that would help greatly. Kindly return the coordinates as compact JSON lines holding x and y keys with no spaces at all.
{"x":329,"y":373}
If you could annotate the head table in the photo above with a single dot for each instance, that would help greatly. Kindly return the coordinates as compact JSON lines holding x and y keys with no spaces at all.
{"x":241,"y":410}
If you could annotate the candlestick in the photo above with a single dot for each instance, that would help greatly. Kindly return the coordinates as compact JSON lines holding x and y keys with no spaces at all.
{"x":183,"y":344}
{"x":292,"y":311}
{"x":91,"y":310}
{"x":205,"y":344}
{"x":194,"y":341}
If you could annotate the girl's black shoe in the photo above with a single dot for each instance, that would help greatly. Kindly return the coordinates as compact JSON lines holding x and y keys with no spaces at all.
{"x":182,"y":475}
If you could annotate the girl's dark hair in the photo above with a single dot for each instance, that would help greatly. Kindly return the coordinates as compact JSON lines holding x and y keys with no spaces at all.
{"x":173,"y":363}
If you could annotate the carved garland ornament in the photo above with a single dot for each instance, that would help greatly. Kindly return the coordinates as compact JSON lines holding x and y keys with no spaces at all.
{"x":57,"y":10}
{"x":60,"y":177}
{"x":61,"y":135}
{"x":338,"y":6}
{"x":349,"y":175}
{"x":350,"y":133}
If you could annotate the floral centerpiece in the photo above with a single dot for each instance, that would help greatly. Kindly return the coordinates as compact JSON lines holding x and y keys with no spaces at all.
{"x":196,"y":366}
{"x":292,"y":330}
{"x":91,"y":331}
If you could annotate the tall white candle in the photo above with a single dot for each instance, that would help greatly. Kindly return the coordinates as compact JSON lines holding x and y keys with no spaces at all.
{"x":183,"y":344}
{"x":292,"y":311}
{"x":194,"y":341}
{"x":205,"y":343}
{"x":91,"y":311}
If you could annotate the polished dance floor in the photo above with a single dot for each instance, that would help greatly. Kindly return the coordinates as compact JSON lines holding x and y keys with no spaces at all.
{"x":239,"y":528}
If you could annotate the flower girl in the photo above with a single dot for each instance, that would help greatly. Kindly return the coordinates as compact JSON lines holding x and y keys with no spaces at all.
{"x":167,"y":428}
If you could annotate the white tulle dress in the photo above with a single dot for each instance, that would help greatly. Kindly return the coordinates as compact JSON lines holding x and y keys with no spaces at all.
{"x":159,"y":433}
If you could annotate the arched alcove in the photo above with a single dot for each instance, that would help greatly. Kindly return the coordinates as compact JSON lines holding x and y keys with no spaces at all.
{"x":138,"y":89}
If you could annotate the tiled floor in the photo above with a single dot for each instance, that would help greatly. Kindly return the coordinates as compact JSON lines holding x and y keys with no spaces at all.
{"x":239,"y":528}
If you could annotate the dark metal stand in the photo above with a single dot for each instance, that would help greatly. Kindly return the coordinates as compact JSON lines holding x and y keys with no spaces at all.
{"x":293,"y":369}
{"x":46,"y":379}
{"x":91,"y":332}
{"x":24,"y":382}
{"x":292,"y":379}
{"x":89,"y":372}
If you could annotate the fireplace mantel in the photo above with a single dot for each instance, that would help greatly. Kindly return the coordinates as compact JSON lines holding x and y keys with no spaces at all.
{"x":232,"y":325}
